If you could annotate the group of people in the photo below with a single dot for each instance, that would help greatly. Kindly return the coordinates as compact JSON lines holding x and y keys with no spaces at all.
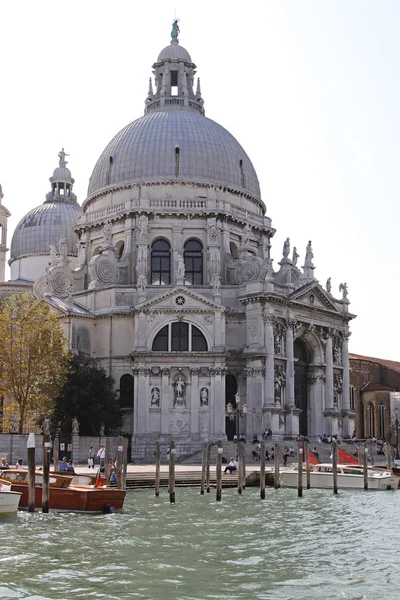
{"x":19,"y":464}
{"x":100,"y":454}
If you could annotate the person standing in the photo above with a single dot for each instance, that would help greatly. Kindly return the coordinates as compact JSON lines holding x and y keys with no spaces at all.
{"x":91,"y":455}
{"x":101,"y":454}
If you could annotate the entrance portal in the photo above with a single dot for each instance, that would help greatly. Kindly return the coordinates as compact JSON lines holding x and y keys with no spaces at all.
{"x":300,"y":384}
{"x":230,"y":391}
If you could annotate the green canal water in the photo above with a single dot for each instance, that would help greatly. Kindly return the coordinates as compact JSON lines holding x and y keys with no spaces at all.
{"x":319,"y":547}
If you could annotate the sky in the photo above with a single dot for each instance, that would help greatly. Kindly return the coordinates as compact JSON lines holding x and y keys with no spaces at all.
{"x":310,"y":89}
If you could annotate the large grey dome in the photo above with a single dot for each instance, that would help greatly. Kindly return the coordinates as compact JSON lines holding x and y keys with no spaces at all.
{"x":146,"y":151}
{"x":43,"y":226}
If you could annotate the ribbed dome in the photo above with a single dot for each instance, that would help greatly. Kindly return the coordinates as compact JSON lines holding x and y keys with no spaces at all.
{"x":146,"y":151}
{"x":43,"y":226}
{"x":174,"y":52}
{"x":61,"y":173}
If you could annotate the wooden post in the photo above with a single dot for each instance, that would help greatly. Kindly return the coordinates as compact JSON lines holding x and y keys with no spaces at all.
{"x":203,"y":468}
{"x":157,"y":480}
{"x":365,"y":466}
{"x":240,"y":466}
{"x":46,"y":469}
{"x":334,"y":465}
{"x":262,"y":470}
{"x":119,"y":465}
{"x":371,"y":453}
{"x":277,"y":483}
{"x":124,"y":462}
{"x":108,"y":458}
{"x":208,"y":468}
{"x":243,"y":467}
{"x":388,"y":456}
{"x":300,"y":472}
{"x":171,"y":479}
{"x":219,"y":471}
{"x":307,"y":457}
{"x":56,"y":452}
{"x":31,"y":472}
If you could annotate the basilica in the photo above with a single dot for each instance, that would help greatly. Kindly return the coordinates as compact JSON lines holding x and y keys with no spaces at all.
{"x":164,"y":276}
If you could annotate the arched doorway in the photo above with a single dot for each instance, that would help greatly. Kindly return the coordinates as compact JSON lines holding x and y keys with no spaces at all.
{"x":230,"y":391}
{"x":300,"y":384}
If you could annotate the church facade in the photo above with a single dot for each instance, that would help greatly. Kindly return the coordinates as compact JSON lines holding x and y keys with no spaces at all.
{"x":171,"y":285}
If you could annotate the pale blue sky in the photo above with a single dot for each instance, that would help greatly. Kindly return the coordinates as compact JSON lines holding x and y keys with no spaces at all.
{"x":309,"y":88}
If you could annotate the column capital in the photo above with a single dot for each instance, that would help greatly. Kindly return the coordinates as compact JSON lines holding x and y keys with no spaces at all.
{"x":269,"y":319}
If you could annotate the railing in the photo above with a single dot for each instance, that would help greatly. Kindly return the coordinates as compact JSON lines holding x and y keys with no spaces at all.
{"x":105,"y":212}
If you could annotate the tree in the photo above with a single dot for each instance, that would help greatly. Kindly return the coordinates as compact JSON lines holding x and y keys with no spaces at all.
{"x":34,"y":359}
{"x":88,"y":395}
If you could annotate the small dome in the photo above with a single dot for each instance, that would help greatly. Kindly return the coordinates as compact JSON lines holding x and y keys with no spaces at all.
{"x":43,"y":226}
{"x":62,"y":173}
{"x":174,"y":52}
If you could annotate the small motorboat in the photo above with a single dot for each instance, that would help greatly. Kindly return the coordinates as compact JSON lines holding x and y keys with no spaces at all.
{"x":348,"y":477}
{"x":67,"y":491}
{"x":9,"y":499}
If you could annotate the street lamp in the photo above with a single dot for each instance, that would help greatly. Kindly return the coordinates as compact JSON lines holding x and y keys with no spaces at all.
{"x":236,"y":413}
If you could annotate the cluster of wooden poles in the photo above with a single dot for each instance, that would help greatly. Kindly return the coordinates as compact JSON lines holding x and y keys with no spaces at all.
{"x":241,"y":485}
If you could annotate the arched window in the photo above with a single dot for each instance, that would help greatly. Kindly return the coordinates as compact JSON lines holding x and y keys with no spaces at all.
{"x":126,"y":392}
{"x":371,"y":421}
{"x":180,"y":337}
{"x":193,"y":256}
{"x":160,"y":263}
{"x":352,"y":397}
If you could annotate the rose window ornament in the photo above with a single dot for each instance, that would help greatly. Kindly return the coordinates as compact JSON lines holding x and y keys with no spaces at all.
{"x":180,"y":300}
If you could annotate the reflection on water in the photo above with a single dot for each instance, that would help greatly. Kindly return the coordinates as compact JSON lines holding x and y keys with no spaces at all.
{"x":318,"y":547}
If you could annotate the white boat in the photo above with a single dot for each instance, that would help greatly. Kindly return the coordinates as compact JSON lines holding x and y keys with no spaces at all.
{"x":9,"y":500}
{"x":348,"y":477}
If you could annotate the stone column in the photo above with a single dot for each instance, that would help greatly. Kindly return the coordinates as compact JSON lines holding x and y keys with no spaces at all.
{"x":135,"y":372}
{"x":194,"y":401}
{"x":328,"y":374}
{"x":165,"y":401}
{"x":142,"y":400}
{"x":313,"y":406}
{"x":346,"y":372}
{"x":289,"y":401}
{"x":218,"y":400}
{"x":269,"y":321}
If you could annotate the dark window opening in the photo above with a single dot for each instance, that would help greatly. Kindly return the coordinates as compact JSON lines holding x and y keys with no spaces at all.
{"x":174,"y":83}
{"x":160,"y":263}
{"x":160,"y":343}
{"x":193,"y":256}
{"x":241,"y":173}
{"x":180,"y":337}
{"x":177,"y":157}
{"x":199,"y":342}
{"x":126,"y":391}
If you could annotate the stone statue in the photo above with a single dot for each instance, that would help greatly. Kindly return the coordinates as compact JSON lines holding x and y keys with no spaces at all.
{"x":62,"y":154}
{"x":62,"y":248}
{"x":69,"y":288}
{"x":107,"y":234}
{"x":175,"y":29}
{"x":143,"y":227}
{"x":216,"y":282}
{"x":155,"y":397}
{"x":286,"y":248}
{"x":53,"y":254}
{"x":295,"y":256}
{"x":180,"y":270}
{"x":102,"y":430}
{"x":328,"y":285}
{"x":204,"y":396}
{"x":309,"y":256}
{"x":179,"y":392}
{"x":246,"y":234}
{"x":343,"y":289}
{"x":75,"y":426}
{"x":142,"y":282}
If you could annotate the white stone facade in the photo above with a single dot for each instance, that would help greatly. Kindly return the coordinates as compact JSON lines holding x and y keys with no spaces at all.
{"x":174,"y":292}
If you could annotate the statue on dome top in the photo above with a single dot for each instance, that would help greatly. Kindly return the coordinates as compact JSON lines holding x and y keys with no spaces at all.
{"x":286,"y":248}
{"x":295,"y":256}
{"x":175,"y":29}
{"x":309,"y":256}
{"x":62,"y":154}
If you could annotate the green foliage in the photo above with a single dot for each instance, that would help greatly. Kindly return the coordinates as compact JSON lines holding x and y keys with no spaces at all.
{"x":34,"y":359}
{"x":89,"y":396}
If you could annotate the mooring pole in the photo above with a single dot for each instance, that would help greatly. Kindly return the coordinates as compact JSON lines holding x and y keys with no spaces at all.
{"x":171,"y":479}
{"x":56,"y":452}
{"x":120,"y":465}
{"x":46,"y":468}
{"x":334,"y":465}
{"x":277,"y":483}
{"x":203,"y":468}
{"x":365,"y":466}
{"x":300,"y":472}
{"x":157,"y":479}
{"x":240,"y":467}
{"x":388,"y":456}
{"x":219,"y":472}
{"x":208,"y":468}
{"x":243,"y":466}
{"x":31,"y":472}
{"x":262,"y":470}
{"x":307,"y":453}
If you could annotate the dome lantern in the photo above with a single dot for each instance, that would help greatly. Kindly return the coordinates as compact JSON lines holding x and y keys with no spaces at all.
{"x":61,"y":182}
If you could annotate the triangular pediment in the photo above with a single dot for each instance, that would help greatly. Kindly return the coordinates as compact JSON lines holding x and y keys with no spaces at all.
{"x":180,"y":299}
{"x":312,"y":294}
